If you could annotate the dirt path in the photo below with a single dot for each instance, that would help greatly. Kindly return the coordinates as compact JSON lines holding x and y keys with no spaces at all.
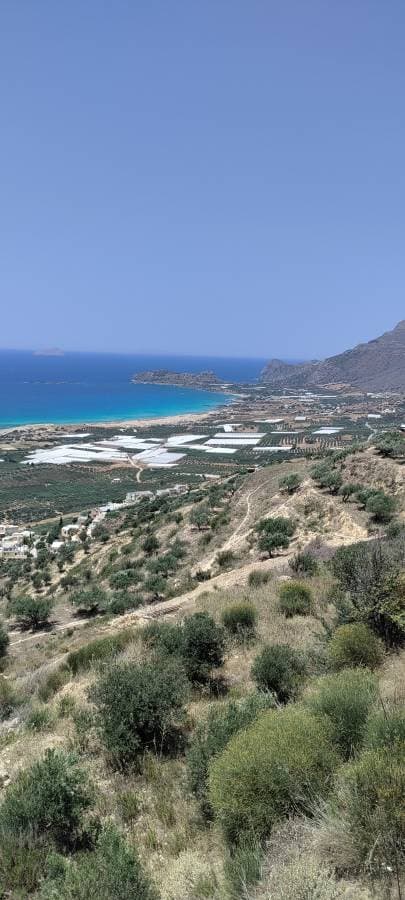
{"x":239,"y":534}
{"x":137,"y":466}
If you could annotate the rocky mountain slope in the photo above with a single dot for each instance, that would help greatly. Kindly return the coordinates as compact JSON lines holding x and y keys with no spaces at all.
{"x":378,"y":365}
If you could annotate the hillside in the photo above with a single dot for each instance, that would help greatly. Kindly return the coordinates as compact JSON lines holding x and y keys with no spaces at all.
{"x":218,"y":611}
{"x":378,"y":365}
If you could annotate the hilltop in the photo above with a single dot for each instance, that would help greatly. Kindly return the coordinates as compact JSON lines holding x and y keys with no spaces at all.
{"x":378,"y":365}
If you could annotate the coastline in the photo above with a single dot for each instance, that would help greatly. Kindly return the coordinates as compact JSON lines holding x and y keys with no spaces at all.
{"x":141,"y":422}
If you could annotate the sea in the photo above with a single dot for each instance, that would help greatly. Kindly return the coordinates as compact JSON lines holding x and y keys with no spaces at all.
{"x":96,"y":387}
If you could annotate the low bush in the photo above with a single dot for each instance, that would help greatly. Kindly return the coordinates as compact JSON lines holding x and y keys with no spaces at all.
{"x":270,"y":770}
{"x":225,"y":558}
{"x":99,"y":650}
{"x":354,"y":645}
{"x":47,"y":801}
{"x":303,"y":564}
{"x":90,"y":601}
{"x":295,"y":599}
{"x":4,"y":640}
{"x":122,"y":601}
{"x":140,"y":707}
{"x":363,"y":825}
{"x":163,"y":637}
{"x":327,"y":477}
{"x":39,"y":719}
{"x":212,"y":735}
{"x":290,"y":483}
{"x":240,"y":619}
{"x":257,"y":577}
{"x":346,"y":699}
{"x":202,"y":646}
{"x":280,"y":670}
{"x":111,"y":872}
{"x":372,"y":574}
{"x":203,"y":574}
{"x":53,"y":682}
{"x":199,"y":643}
{"x":8,"y":698}
{"x":381,"y":507}
{"x":385,"y":728}
{"x":32,"y":612}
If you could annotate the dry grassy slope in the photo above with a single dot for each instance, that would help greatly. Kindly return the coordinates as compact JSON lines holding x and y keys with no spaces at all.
{"x":315,"y":513}
{"x":166,"y":828}
{"x":317,"y":516}
{"x":372,"y":470}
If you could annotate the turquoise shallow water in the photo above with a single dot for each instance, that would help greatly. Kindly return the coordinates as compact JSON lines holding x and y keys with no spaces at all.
{"x":95,"y":387}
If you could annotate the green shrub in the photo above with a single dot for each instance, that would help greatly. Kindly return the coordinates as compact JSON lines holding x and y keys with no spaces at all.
{"x":100,"y":649}
{"x":327,"y":477}
{"x":240,"y":619}
{"x":111,"y":872}
{"x":212,"y":735}
{"x":156,"y":585}
{"x":202,"y":646}
{"x":32,"y":612}
{"x":122,"y":601}
{"x":276,"y":525}
{"x":90,"y":601}
{"x":39,"y":719}
{"x":150,"y":544}
{"x":274,"y":533}
{"x":270,"y":541}
{"x":163,"y":637}
{"x":303,"y":564}
{"x":274,"y":768}
{"x":290,"y":483}
{"x":257,"y":577}
{"x":367,"y":809}
{"x":4,"y":640}
{"x":348,"y":489}
{"x":140,"y":707}
{"x":200,"y":516}
{"x":354,"y":645}
{"x":203,"y":574}
{"x":386,"y":728}
{"x":124,"y":579}
{"x":225,"y":558}
{"x":243,"y":867}
{"x":381,"y":507}
{"x":346,"y":699}
{"x":53,"y":682}
{"x":47,"y":801}
{"x":8,"y":698}
{"x":22,"y":865}
{"x":372,"y":573}
{"x":295,"y":599}
{"x":199,"y":644}
{"x":280,"y":670}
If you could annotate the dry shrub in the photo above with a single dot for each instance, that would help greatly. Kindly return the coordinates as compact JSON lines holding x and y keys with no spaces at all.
{"x":305,"y":878}
{"x":292,"y":870}
{"x":192,"y":876}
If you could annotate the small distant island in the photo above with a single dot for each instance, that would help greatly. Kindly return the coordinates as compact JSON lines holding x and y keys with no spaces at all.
{"x":205,"y":380}
{"x":52,"y":351}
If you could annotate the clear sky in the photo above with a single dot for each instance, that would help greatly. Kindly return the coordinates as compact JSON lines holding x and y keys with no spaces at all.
{"x":201,"y":176}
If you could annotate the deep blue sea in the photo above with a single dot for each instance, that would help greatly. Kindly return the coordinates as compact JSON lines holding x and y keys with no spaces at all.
{"x":96,"y":387}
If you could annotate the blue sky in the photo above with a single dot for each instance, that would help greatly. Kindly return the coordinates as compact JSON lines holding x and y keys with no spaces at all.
{"x":221,"y":177}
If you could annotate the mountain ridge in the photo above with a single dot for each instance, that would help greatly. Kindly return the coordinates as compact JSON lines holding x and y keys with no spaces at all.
{"x":376,"y":365}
